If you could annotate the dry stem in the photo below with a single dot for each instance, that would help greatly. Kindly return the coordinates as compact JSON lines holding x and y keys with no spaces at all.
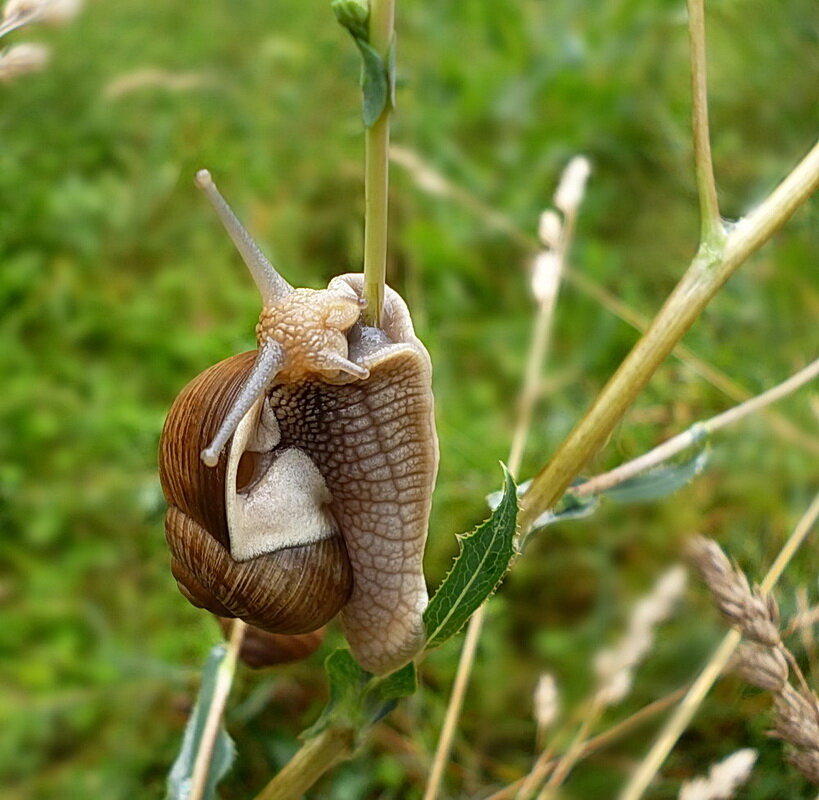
{"x":546,"y":762}
{"x":694,"y":434}
{"x":432,"y":181}
{"x":224,"y":680}
{"x":574,"y":751}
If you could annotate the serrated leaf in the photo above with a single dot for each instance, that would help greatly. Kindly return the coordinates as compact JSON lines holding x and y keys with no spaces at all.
{"x":659,"y":482}
{"x":347,"y":680}
{"x":484,"y":557}
{"x":383,"y":694}
{"x":374,"y":83}
{"x":224,"y":751}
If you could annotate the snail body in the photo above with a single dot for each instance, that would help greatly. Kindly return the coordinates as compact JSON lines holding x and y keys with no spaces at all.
{"x":299,"y":476}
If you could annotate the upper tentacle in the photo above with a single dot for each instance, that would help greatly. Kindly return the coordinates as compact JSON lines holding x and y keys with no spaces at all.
{"x":271,"y":285}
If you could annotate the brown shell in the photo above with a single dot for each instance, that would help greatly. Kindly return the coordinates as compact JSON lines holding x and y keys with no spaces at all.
{"x":262,"y":649}
{"x":294,"y":590}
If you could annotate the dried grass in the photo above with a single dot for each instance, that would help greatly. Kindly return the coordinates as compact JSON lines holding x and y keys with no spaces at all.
{"x":763,"y":660}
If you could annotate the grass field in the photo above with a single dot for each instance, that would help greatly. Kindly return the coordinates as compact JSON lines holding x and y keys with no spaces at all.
{"x":117,"y":285}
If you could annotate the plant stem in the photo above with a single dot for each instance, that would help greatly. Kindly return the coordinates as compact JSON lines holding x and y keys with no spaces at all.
{"x":751,"y":232}
{"x":455,"y":705}
{"x":685,"y":711}
{"x":709,"y":270}
{"x":434,"y":182}
{"x":315,"y":757}
{"x":575,"y":750}
{"x":224,"y":680}
{"x":376,"y":175}
{"x":711,"y":225}
{"x":546,"y":763}
{"x":694,"y":434}
{"x":535,"y":359}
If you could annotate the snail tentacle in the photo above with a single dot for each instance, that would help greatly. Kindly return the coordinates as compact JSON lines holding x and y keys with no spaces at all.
{"x":271,"y":285}
{"x":329,"y":360}
{"x":268,"y":362}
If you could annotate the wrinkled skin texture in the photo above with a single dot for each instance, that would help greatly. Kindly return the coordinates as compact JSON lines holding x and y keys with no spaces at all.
{"x":374,"y":443}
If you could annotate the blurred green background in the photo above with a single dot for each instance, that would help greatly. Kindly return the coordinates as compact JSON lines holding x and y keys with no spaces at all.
{"x":117,"y":285}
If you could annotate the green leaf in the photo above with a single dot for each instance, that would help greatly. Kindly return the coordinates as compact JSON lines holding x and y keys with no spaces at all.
{"x":659,"y":482}
{"x":377,"y":77}
{"x":568,"y":507}
{"x":181,"y":774}
{"x":357,"y":698}
{"x":383,"y":694}
{"x":485,"y":555}
{"x":347,"y":681}
{"x":374,"y":83}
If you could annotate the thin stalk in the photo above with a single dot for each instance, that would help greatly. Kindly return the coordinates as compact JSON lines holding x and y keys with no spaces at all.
{"x":685,"y":711}
{"x":456,"y":702}
{"x":538,"y":348}
{"x":536,"y":776}
{"x":546,"y":762}
{"x":376,"y":174}
{"x":573,"y":753}
{"x":432,"y":181}
{"x":315,"y":757}
{"x":694,"y":434}
{"x":709,"y":270}
{"x":711,"y":225}
{"x":224,"y":680}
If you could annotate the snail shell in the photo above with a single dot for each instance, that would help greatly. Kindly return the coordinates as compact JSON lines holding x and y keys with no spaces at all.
{"x":299,"y":477}
{"x":292,"y":589}
{"x":262,"y":649}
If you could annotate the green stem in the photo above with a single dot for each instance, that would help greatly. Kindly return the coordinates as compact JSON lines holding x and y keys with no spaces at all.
{"x":711,"y":225}
{"x":376,"y":177}
{"x":709,"y":270}
{"x":315,"y":757}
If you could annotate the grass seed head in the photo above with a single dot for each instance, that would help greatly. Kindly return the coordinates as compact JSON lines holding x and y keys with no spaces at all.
{"x":21,"y":59}
{"x":755,"y":615}
{"x":763,"y":667}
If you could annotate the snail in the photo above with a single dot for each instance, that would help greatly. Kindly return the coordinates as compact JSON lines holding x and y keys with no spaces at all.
{"x":299,"y":476}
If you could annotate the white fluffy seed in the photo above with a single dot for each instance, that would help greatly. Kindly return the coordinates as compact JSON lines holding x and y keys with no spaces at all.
{"x":723,"y":779}
{"x":546,"y":276}
{"x":572,"y":185}
{"x":21,"y":59}
{"x":546,"y":702}
{"x":549,"y":229}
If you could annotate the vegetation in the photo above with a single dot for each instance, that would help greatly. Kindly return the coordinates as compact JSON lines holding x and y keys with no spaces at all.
{"x":117,"y":286}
